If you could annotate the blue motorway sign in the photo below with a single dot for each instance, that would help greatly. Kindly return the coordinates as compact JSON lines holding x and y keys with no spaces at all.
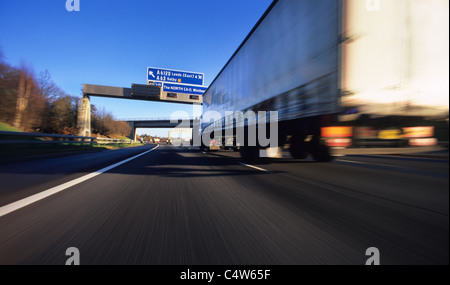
{"x":182,"y":88}
{"x":174,"y":76}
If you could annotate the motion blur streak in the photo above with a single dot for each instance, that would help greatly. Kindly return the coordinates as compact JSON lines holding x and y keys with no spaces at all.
{"x":44,"y":194}
{"x":397,"y":53}
{"x":179,"y":206}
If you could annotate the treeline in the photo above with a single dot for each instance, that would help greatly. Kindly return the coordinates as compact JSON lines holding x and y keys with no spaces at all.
{"x":34,"y":103}
{"x":103,"y":123}
{"x":146,"y":138}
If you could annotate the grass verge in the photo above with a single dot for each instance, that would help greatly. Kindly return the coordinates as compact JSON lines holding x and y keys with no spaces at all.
{"x":7,"y":128}
{"x":10,"y":151}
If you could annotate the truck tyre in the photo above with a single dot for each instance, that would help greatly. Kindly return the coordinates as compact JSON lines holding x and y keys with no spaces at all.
{"x":297,"y":147}
{"x":249,"y":153}
{"x":321,"y":153}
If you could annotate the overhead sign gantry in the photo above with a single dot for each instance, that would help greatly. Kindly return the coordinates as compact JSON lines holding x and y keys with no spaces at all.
{"x":156,"y":74}
{"x":163,"y":85}
{"x":177,"y":85}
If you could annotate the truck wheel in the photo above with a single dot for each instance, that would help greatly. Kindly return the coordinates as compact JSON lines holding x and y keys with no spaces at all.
{"x":249,"y":153}
{"x":322,"y":154}
{"x":297,"y":148}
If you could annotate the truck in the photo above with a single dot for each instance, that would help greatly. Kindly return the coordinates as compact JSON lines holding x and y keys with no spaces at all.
{"x":371,"y":65}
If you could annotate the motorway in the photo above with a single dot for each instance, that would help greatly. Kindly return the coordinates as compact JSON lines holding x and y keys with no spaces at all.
{"x":177,"y":205}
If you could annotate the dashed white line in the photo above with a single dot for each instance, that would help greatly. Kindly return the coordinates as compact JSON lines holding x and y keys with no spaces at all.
{"x":255,"y":167}
{"x":369,"y":163}
{"x":4,"y":210}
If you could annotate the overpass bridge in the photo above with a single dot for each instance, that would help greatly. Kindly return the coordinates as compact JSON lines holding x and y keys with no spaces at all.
{"x":161,"y":122}
{"x":136,"y":92}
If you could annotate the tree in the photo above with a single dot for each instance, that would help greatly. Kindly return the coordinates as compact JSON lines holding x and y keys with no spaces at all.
{"x":23,"y":95}
{"x":104,"y":123}
{"x":8,"y":91}
{"x":50,"y":91}
{"x":20,"y":101}
{"x":39,"y":104}
{"x":60,"y":114}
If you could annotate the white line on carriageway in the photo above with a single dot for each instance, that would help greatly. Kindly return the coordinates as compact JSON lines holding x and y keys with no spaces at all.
{"x":4,"y":210}
{"x":255,"y":167}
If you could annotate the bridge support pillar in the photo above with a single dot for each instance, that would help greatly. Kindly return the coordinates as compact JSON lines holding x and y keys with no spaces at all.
{"x":84,"y":117}
{"x":132,"y":135}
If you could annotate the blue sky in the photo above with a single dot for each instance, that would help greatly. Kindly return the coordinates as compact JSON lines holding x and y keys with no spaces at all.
{"x":112,"y":42}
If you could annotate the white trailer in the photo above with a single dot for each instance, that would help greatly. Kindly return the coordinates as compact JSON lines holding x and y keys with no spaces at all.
{"x":316,"y":60}
{"x":396,"y":57}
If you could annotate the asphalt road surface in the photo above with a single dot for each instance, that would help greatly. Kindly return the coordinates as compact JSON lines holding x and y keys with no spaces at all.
{"x":177,"y":205}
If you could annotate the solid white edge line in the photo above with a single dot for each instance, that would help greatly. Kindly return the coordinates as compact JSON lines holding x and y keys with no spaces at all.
{"x":255,"y":167}
{"x":14,"y":206}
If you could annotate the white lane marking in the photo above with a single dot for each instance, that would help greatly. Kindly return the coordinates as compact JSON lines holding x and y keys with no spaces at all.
{"x":369,"y":163}
{"x":4,"y":210}
{"x":255,"y":167}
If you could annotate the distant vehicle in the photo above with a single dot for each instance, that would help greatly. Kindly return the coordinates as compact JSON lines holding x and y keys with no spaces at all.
{"x":374,"y":63}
